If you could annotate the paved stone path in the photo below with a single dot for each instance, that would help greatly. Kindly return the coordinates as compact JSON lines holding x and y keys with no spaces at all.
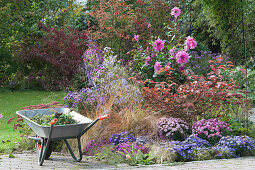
{"x":28,"y":161}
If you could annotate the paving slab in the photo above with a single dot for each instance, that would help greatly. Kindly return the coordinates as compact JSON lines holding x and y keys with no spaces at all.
{"x":58,"y":161}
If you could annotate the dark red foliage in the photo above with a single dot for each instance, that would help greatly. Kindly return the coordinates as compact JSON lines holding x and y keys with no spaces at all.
{"x":52,"y":59}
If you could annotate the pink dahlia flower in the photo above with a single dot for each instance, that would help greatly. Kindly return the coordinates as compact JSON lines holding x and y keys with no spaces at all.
{"x":136,"y":37}
{"x":172,"y":52}
{"x":190,"y":43}
{"x":182,"y":57}
{"x":157,"y":66}
{"x":148,"y":60}
{"x":175,"y":12}
{"x":158,"y":44}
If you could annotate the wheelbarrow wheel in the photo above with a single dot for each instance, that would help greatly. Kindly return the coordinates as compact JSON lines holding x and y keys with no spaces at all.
{"x":38,"y":145}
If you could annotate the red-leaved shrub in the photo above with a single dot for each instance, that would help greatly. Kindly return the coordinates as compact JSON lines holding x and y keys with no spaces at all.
{"x":52,"y":59}
{"x":196,"y":96}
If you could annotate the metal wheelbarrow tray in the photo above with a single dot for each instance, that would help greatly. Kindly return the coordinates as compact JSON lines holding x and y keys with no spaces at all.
{"x":46,"y":134}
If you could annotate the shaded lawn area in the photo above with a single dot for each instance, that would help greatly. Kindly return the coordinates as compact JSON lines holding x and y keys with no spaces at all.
{"x":10,"y":102}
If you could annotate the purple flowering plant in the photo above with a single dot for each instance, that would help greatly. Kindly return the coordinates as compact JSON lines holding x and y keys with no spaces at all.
{"x":185,"y":149}
{"x":211,"y":129}
{"x":93,"y":147}
{"x":163,"y":56}
{"x":172,"y":128}
{"x":130,"y":147}
{"x":121,"y":138}
{"x":241,"y":145}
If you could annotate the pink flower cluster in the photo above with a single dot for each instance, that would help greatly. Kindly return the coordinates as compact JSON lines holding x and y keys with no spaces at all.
{"x":210,"y":127}
{"x":190,"y":43}
{"x":158,"y":44}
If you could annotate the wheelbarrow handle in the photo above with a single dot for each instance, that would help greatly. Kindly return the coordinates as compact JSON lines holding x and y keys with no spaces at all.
{"x":104,"y":117}
{"x":94,"y":122}
{"x":54,"y":121}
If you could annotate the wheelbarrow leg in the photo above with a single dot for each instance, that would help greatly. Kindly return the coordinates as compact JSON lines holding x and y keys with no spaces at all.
{"x":71,"y":151}
{"x":44,"y":150}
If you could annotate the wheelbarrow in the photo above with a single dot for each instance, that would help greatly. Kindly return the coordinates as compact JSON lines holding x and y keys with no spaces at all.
{"x":46,"y":134}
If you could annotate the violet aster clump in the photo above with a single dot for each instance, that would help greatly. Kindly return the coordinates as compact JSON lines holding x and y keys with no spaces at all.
{"x":211,"y":130}
{"x":95,"y":146}
{"x":172,"y":128}
{"x":223,"y":152}
{"x":122,"y":137}
{"x":242,"y":145}
{"x":129,"y":148}
{"x":185,"y":150}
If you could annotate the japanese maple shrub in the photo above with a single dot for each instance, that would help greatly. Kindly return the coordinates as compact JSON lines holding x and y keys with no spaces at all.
{"x":52,"y":59}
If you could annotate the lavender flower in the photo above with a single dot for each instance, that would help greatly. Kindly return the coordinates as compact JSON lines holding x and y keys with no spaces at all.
{"x":211,"y":130}
{"x":172,"y":128}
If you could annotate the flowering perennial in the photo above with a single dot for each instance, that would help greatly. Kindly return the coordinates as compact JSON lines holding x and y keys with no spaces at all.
{"x":186,"y":148}
{"x":157,"y":66}
{"x":128,"y":148}
{"x":122,"y":137}
{"x":242,"y":145}
{"x":211,"y":129}
{"x":182,"y":57}
{"x":175,"y":12}
{"x":172,"y":128}
{"x":158,"y":44}
{"x":190,"y":43}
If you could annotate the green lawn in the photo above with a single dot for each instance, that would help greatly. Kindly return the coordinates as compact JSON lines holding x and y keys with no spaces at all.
{"x":10,"y":102}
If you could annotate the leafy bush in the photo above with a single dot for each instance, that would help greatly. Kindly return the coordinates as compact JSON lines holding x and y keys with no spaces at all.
{"x":128,"y":147}
{"x":223,"y":152}
{"x":121,"y":138}
{"x":242,"y":145}
{"x":185,"y":149}
{"x":93,"y":147}
{"x":211,"y":130}
{"x":172,"y":128}
{"x":196,"y":96}
{"x":53,"y":59}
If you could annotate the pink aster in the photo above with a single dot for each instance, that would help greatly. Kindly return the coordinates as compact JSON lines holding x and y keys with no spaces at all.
{"x":157,"y":66}
{"x":158,"y":44}
{"x":149,"y":25}
{"x":190,"y":43}
{"x":152,"y":55}
{"x":1,"y":116}
{"x":175,"y":12}
{"x":182,"y":57}
{"x":136,"y":37}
